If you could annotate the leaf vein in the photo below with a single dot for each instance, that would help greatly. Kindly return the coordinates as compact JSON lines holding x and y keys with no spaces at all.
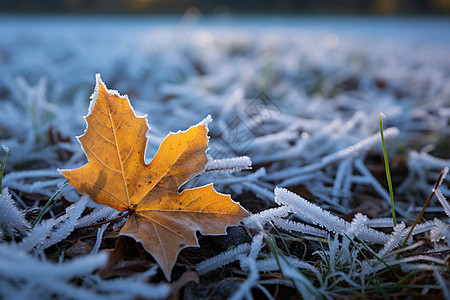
{"x":98,"y":120}
{"x":101,"y":110}
{"x":210,"y":203}
{"x":160,"y":224}
{"x":192,"y":200}
{"x":121,"y":117}
{"x":160,"y":242}
{"x":103,"y":163}
{"x":93,"y":127}
{"x":213,"y":229}
{"x":120,"y":161}
{"x":132,"y":145}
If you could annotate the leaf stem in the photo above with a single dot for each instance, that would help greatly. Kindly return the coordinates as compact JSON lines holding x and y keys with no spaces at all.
{"x":104,"y":222}
{"x":438,"y":182}
{"x":39,"y":217}
{"x":388,"y":173}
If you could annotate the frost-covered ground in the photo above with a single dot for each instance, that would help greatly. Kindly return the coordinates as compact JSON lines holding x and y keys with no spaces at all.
{"x":300,"y":98}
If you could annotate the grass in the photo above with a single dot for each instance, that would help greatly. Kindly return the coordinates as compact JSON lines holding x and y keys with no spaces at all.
{"x":279,"y":255}
{"x":50,"y":201}
{"x":336,"y":270}
{"x":388,"y":172}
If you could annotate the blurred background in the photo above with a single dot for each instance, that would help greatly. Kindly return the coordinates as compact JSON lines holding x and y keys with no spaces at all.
{"x":180,"y":61}
{"x":411,"y":7}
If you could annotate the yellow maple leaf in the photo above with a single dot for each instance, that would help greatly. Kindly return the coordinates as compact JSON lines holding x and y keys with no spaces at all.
{"x":162,"y":219}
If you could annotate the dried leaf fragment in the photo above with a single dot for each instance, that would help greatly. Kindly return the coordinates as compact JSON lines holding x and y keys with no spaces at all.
{"x":162,"y":219}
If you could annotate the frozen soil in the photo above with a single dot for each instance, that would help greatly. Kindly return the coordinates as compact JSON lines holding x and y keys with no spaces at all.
{"x":301,"y":98}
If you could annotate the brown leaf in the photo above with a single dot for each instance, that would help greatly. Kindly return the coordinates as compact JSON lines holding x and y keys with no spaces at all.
{"x":78,"y":249}
{"x":118,"y":265}
{"x":162,"y":219}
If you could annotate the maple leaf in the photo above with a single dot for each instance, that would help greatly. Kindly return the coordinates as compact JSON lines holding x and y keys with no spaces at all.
{"x":163,"y":220}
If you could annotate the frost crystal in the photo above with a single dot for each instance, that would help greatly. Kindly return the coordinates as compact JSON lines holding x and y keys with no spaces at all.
{"x":317,"y":215}
{"x":222,"y":259}
{"x":443,"y":202}
{"x":21,"y":277}
{"x":5,"y":148}
{"x":11,"y":219}
{"x":242,"y":162}
{"x":52,"y":231}
{"x":440,"y":231}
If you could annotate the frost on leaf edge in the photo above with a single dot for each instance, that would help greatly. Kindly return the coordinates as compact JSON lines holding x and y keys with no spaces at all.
{"x":94,"y":98}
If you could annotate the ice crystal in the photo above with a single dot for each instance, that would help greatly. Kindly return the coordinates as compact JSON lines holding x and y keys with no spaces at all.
{"x":11,"y":218}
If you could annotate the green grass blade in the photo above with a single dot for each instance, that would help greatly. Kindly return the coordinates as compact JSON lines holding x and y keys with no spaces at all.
{"x":48,"y":204}
{"x":377,"y":257}
{"x":282,"y":239}
{"x":388,"y":172}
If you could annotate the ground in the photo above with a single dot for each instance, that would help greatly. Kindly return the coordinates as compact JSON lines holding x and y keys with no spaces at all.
{"x":301,"y":98}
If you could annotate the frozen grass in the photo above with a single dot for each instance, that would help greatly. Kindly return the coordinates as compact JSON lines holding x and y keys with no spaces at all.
{"x":299,"y":101}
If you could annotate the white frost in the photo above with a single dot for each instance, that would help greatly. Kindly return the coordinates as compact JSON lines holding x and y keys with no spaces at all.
{"x":11,"y":218}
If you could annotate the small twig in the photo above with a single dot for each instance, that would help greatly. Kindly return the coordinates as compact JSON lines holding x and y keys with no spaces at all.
{"x":3,"y":166}
{"x":39,"y":217}
{"x":388,"y":173}
{"x":438,"y":182}
{"x":105,"y":222}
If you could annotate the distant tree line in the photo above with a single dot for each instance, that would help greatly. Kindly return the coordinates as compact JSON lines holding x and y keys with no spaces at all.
{"x":230,"y":6}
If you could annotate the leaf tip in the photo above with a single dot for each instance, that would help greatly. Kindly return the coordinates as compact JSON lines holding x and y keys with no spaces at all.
{"x":98,"y":78}
{"x":206,"y":121}
{"x":94,"y":96}
{"x":63,"y":172}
